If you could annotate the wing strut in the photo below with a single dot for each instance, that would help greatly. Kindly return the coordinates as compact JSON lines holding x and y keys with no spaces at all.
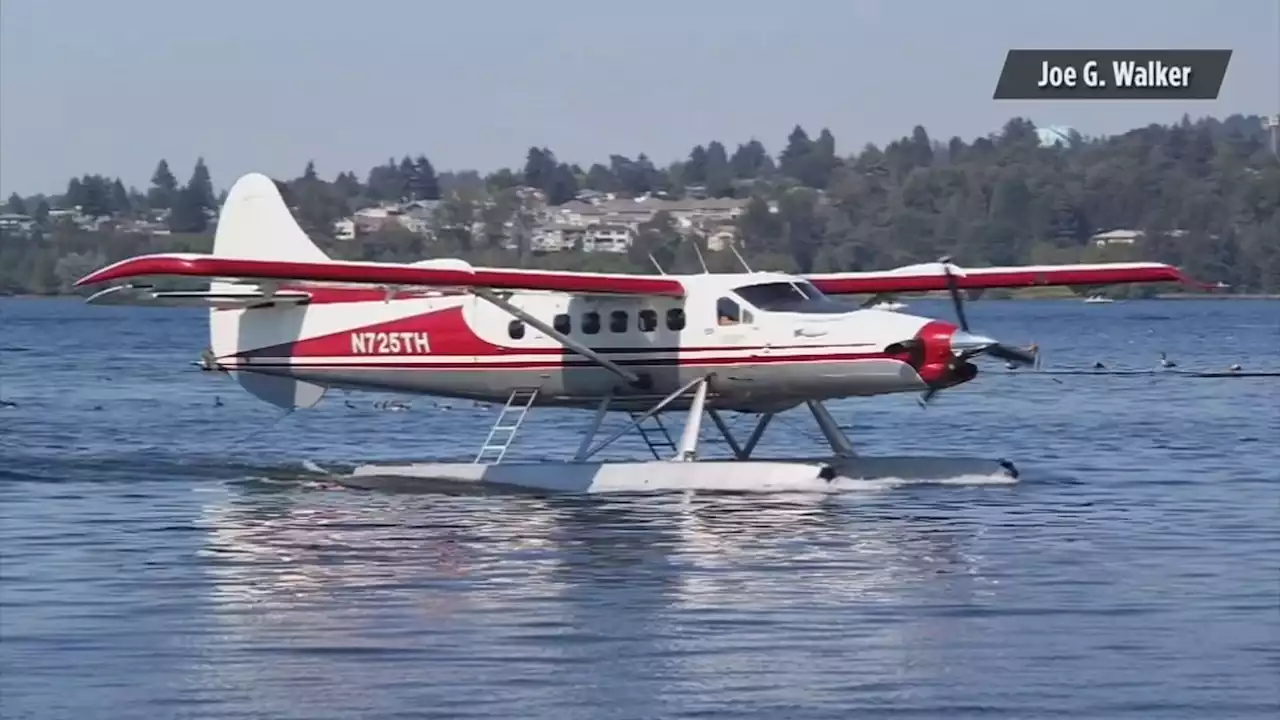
{"x":583,"y":350}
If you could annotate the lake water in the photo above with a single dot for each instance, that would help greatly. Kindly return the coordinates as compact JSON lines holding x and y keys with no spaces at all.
{"x":162,"y":556}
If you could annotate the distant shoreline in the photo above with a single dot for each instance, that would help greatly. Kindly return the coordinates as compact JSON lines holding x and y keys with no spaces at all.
{"x":1217,"y":296}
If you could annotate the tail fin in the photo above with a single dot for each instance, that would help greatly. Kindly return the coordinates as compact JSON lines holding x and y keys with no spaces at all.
{"x":256,"y":224}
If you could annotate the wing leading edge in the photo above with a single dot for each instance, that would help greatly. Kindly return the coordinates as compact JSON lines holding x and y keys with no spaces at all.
{"x":459,"y":275}
{"x":367,"y":274}
{"x":930,"y":276}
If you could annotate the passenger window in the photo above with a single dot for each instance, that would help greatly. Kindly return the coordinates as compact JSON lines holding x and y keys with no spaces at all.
{"x":647,"y":321}
{"x":728,"y":312}
{"x":515,"y":329}
{"x":675,"y":319}
{"x":562,"y":324}
{"x":618,"y":321}
{"x":591,"y":323}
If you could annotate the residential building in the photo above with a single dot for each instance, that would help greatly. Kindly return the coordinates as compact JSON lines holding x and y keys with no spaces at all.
{"x":688,"y":214}
{"x":722,"y":237}
{"x":1117,"y":237}
{"x":608,"y":238}
{"x":556,"y":238}
{"x":1127,"y":237}
{"x":344,"y":229}
{"x":17,"y":224}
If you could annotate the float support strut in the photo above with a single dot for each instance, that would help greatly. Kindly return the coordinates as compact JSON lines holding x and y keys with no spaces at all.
{"x":601,"y":411}
{"x":688,"y":450}
{"x":831,"y":429}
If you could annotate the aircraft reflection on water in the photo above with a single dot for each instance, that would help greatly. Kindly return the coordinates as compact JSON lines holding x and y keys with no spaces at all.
{"x":684,"y":598}
{"x":289,"y":552}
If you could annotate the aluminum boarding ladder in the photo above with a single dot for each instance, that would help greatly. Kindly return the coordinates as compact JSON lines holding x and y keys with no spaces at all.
{"x":503,"y":432}
{"x":655,"y":436}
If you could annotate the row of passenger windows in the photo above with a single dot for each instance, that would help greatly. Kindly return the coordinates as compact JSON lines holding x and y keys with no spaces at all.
{"x":619,"y":322}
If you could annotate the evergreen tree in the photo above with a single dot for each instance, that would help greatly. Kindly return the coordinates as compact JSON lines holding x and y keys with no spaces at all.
{"x":539,"y":166}
{"x":750,"y":161}
{"x":601,"y":179}
{"x":424,"y":185}
{"x":695,"y":169}
{"x":717,"y":175}
{"x":164,"y":187}
{"x":404,"y":179}
{"x":75,"y":194}
{"x":187,"y":214}
{"x":501,"y":180}
{"x":201,"y":187}
{"x":119,"y":202}
{"x":563,"y":185}
{"x":347,"y":185}
{"x":16,"y":205}
{"x":795,"y":155}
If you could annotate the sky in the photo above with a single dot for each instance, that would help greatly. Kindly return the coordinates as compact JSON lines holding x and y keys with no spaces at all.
{"x":266,"y":85}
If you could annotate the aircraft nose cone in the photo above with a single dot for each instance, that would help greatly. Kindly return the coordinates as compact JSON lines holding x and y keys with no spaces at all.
{"x":962,"y":341}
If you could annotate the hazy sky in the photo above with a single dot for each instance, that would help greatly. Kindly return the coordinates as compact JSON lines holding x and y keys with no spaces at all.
{"x":110,"y":87}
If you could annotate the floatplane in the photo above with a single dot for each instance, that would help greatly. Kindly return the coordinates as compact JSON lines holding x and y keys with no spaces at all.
{"x":289,"y":323}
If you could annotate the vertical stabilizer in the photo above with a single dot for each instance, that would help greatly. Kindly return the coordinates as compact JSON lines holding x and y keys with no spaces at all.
{"x":256,"y":224}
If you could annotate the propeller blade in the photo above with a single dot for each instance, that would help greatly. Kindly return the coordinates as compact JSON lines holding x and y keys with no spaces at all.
{"x":1012,"y":354}
{"x":953,"y":287}
{"x":969,"y":344}
{"x":926,"y":396}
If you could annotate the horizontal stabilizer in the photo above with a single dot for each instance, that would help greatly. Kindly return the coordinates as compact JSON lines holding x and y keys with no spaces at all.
{"x":222,"y":300}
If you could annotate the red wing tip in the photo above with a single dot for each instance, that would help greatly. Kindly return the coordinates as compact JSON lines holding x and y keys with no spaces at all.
{"x":90,"y":279}
{"x":1185,"y":279}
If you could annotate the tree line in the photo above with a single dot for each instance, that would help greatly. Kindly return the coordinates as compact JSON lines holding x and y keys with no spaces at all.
{"x":187,"y":208}
{"x":1202,"y":194}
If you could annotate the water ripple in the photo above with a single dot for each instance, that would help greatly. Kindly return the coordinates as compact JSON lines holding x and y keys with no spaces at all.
{"x":163,"y":557}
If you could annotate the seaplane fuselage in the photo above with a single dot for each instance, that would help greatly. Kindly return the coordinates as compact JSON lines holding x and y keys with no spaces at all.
{"x":768,"y":341}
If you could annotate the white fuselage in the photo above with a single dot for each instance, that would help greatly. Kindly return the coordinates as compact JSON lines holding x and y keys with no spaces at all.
{"x":763,"y":355}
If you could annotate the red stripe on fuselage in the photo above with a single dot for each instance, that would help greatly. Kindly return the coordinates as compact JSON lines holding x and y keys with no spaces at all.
{"x":447,"y":332}
{"x":568,"y":363}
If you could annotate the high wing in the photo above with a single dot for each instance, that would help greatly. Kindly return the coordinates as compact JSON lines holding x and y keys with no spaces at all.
{"x":930,"y":276}
{"x":299,"y":275}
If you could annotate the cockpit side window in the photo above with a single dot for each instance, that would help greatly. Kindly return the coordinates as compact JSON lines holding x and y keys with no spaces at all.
{"x":728,"y":312}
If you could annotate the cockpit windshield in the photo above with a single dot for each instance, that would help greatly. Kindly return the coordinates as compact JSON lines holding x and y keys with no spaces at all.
{"x":798,"y":296}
